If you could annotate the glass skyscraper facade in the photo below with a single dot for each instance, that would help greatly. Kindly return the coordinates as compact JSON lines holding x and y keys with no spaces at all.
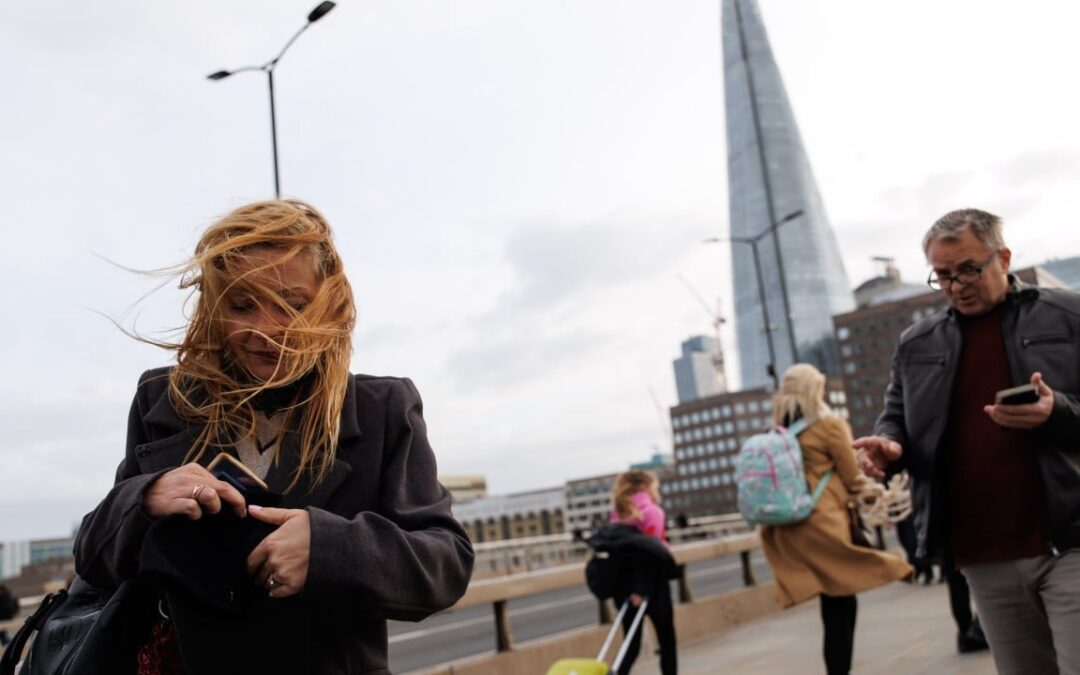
{"x":769,"y":178}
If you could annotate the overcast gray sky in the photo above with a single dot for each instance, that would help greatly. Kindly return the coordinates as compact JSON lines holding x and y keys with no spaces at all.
{"x":515,"y":186}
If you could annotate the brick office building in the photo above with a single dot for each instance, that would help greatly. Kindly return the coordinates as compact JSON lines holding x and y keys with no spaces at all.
{"x":707,"y":435}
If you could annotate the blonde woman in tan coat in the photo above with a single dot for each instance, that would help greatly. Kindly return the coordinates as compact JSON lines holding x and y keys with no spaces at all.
{"x":817,"y":557}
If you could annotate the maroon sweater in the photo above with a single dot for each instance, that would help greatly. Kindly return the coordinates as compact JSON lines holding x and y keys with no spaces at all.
{"x":996,"y":499}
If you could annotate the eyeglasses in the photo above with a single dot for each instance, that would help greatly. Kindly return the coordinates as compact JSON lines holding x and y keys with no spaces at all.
{"x":965,"y":275}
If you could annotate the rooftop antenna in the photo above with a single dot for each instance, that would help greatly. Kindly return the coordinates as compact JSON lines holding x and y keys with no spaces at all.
{"x":889,"y":262}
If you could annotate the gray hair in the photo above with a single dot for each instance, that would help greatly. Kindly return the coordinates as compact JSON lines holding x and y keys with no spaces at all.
{"x":984,"y":225}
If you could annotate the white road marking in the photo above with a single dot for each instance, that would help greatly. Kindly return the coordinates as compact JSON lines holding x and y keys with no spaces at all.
{"x":543,"y":606}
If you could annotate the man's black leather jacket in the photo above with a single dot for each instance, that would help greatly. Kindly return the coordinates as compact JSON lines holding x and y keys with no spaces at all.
{"x":1042,"y":333}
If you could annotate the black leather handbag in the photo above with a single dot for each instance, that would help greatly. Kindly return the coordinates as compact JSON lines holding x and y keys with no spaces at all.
{"x":860,"y":534}
{"x":83,"y":631}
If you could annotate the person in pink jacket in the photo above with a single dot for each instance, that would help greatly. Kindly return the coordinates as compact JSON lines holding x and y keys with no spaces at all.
{"x":636,"y":502}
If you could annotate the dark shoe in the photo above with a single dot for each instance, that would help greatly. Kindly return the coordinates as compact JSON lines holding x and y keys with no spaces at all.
{"x":972,"y":640}
{"x":920,"y":570}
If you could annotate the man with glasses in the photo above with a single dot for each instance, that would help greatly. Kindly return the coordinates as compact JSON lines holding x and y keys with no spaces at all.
{"x":996,"y":487}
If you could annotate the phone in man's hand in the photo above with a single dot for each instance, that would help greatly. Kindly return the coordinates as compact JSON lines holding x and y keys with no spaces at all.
{"x":1025,"y":393}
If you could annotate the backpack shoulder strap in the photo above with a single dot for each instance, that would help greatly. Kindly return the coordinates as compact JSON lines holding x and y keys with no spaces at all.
{"x":15,"y":648}
{"x":820,"y":488}
{"x":798,"y":426}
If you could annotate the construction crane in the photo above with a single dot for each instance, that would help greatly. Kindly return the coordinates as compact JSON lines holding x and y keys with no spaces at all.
{"x":718,"y":320}
{"x":665,"y":420}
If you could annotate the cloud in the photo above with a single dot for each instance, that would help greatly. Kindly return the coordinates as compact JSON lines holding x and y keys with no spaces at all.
{"x":511,"y":358}
{"x":928,"y":195}
{"x":1040,"y":167}
{"x":566,"y":277}
{"x":556,"y":262}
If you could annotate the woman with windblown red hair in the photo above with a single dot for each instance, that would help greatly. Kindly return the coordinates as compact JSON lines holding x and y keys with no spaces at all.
{"x":324,"y":519}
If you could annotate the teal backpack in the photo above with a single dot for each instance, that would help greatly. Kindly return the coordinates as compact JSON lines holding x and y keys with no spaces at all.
{"x":771,"y":481}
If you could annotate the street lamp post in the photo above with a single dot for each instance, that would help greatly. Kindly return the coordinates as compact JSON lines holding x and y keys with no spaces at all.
{"x":314,"y":15}
{"x":753,"y":242}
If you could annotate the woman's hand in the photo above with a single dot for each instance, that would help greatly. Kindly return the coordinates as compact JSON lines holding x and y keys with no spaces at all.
{"x":280,"y":562}
{"x":190,"y":490}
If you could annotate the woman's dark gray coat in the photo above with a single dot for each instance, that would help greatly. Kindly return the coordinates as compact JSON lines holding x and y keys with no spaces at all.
{"x":384,"y":544}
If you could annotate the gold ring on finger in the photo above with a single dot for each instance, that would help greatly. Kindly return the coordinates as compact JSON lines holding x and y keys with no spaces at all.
{"x":196,"y":491}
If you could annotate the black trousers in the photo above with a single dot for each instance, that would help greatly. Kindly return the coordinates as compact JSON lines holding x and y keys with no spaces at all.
{"x":662,"y":616}
{"x":838,"y":617}
{"x":959,"y":594}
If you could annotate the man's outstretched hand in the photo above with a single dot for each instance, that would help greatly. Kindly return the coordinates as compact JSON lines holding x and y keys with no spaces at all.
{"x":875,"y":454}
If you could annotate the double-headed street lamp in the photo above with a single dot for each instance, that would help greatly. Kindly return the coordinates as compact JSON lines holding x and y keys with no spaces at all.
{"x":319,"y":12}
{"x":753,"y":242}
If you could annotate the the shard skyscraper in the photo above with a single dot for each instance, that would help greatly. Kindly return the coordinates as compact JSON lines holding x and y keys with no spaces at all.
{"x":769,"y":178}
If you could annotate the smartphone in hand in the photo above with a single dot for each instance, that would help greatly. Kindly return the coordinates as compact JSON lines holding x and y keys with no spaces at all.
{"x":227,"y":468}
{"x":1024,"y":394}
{"x":231,"y":470}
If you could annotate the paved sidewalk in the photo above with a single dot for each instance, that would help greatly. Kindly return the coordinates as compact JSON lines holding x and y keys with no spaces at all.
{"x":901,"y":629}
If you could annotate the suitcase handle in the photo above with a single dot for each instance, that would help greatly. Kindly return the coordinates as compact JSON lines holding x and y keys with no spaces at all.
{"x":611,"y":633}
{"x":629,"y":634}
